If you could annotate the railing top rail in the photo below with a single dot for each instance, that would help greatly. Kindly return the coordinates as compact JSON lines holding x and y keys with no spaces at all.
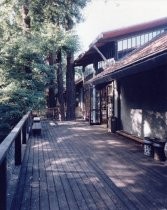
{"x":7,"y":142}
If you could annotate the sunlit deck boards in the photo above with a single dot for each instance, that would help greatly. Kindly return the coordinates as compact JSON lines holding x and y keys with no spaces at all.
{"x":73,"y":166}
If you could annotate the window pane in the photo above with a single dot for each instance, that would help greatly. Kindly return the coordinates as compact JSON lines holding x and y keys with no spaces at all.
{"x":142,"y":39}
{"x":154,"y":33}
{"x":129,"y":43}
{"x":133,"y":41}
{"x":119,"y":45}
{"x":150,"y":36}
{"x":138,"y":41}
{"x":125,"y":44}
{"x":146,"y":38}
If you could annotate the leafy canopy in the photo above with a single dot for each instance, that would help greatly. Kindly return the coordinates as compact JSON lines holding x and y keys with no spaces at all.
{"x":24,"y":71}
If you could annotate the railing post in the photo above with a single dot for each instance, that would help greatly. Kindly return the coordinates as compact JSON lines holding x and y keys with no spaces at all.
{"x":28,"y":126}
{"x":3,"y":185}
{"x":29,"y":123}
{"x":18,"y":149}
{"x":24,"y":131}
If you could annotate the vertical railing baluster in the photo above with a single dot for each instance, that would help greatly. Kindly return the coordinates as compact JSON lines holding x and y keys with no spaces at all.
{"x":31,"y":121}
{"x":24,"y":130}
{"x":18,"y":149}
{"x":29,"y":124}
{"x":3,"y":185}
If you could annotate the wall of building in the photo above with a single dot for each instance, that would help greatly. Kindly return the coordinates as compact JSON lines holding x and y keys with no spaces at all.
{"x":144,"y":104}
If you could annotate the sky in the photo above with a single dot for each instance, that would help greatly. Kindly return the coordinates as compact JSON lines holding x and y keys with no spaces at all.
{"x":106,"y":15}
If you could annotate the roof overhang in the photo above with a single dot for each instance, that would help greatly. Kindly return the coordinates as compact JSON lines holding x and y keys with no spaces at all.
{"x":106,"y":37}
{"x":86,"y":58}
{"x":151,"y":63}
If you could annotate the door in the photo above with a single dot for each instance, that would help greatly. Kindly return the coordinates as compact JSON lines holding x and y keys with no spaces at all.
{"x":95,"y":111}
{"x":110,"y":108}
{"x":103,"y":102}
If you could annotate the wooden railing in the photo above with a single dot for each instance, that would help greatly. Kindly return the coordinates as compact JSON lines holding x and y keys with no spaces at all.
{"x":18,"y":136}
{"x":50,"y":113}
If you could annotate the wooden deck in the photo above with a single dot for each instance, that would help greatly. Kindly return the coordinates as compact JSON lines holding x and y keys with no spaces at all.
{"x":72,"y":166}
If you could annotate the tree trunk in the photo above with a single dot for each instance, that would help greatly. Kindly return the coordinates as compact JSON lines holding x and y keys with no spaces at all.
{"x":70,"y":75}
{"x":51,"y":101}
{"x":26,"y":25}
{"x":70,"y":87}
{"x":60,"y":85}
{"x":26,"y":20}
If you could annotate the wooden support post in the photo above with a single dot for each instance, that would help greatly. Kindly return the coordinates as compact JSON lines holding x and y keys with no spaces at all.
{"x":18,"y":149}
{"x":3,"y":185}
{"x":29,"y":124}
{"x":28,"y":127}
{"x":24,"y":131}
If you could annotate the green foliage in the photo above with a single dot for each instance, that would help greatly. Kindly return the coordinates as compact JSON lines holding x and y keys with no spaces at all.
{"x":58,"y":12}
{"x":21,"y":90}
{"x":9,"y":116}
{"x":24,"y":71}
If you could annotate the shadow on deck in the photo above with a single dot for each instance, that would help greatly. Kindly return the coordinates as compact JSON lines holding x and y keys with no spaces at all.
{"x":74,"y":166}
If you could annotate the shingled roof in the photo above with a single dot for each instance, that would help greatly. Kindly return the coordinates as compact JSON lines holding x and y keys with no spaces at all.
{"x":108,"y":35}
{"x":105,"y":37}
{"x":150,"y":50}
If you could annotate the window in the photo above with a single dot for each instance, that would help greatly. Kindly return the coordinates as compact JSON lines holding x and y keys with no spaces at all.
{"x":142,"y":39}
{"x":101,"y":64}
{"x":150,"y":36}
{"x":157,"y":32}
{"x":125,"y":44}
{"x":88,"y":70}
{"x":162,"y":30}
{"x":133,"y":42}
{"x":154,"y":33}
{"x":120,"y":45}
{"x":146,"y":38}
{"x":138,"y":40}
{"x":129,"y":43}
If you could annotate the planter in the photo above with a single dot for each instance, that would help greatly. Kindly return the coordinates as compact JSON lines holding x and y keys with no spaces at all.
{"x":159,"y":153}
{"x":165,"y":149}
{"x":148,"y":147}
{"x":113,"y":124}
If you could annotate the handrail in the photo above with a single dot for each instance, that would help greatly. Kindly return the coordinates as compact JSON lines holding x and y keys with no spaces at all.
{"x":48,"y":112}
{"x":17,"y":136}
{"x":7,"y":142}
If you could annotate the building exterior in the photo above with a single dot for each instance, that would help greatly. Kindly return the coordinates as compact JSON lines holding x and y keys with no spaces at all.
{"x":128,"y":83}
{"x":139,"y":89}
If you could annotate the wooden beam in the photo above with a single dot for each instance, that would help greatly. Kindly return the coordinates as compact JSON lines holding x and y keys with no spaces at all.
{"x":100,"y":53}
{"x":128,"y":135}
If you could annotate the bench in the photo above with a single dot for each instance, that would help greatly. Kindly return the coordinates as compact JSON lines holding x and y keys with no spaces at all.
{"x":36,"y":128}
{"x":36,"y":119}
{"x":130,"y":136}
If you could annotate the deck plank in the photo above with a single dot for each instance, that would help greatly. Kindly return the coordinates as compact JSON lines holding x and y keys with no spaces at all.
{"x":74,"y":166}
{"x":52,"y":189}
{"x":35,"y":184}
{"x":27,"y":193}
{"x":73,"y":193}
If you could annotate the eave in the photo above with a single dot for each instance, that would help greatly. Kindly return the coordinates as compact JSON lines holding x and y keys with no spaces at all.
{"x":147,"y":64}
